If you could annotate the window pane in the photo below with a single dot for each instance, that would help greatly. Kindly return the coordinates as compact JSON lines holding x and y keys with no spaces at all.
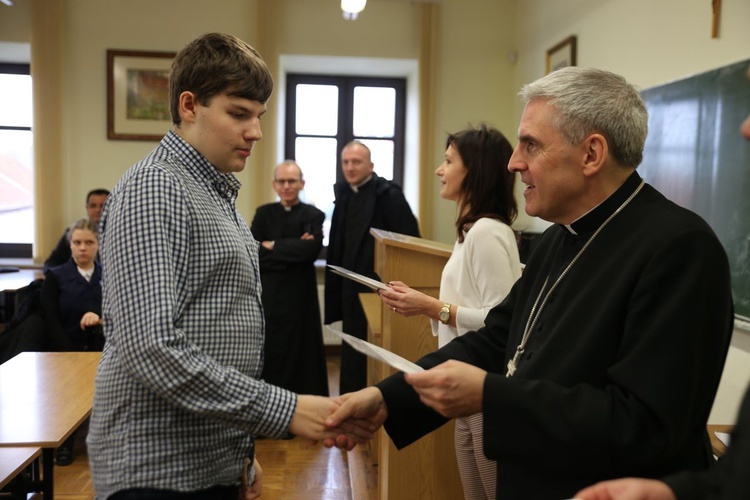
{"x":15,"y":100}
{"x":317,"y":109}
{"x":374,"y":111}
{"x":381,"y":155}
{"x":317,"y":158}
{"x":16,"y":186}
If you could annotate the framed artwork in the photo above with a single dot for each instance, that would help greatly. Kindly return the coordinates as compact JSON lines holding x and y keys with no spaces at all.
{"x":562,"y":55}
{"x":138,"y":95}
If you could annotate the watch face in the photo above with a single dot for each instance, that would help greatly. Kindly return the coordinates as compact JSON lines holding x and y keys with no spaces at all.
{"x":444,"y":315}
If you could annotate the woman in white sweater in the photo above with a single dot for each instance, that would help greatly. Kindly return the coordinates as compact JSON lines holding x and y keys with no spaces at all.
{"x":479,"y":274}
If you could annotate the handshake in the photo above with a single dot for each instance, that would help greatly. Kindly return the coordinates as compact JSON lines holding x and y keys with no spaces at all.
{"x":453,"y":389}
{"x":343,"y":422}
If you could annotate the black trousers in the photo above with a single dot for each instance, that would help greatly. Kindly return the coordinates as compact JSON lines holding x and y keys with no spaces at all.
{"x":218,"y":492}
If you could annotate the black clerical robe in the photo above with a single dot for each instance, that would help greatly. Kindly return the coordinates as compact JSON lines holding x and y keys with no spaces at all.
{"x":729,"y":479}
{"x":294,"y":353}
{"x":621,"y":369}
{"x":378,"y":204}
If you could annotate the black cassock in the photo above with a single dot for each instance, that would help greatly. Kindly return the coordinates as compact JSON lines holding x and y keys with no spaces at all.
{"x":294,"y":354}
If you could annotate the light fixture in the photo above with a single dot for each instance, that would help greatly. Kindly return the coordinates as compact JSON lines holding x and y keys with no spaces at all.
{"x":351,"y":8}
{"x":9,"y":3}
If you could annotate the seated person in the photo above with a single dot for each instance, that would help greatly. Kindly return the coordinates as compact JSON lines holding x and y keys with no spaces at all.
{"x":94,"y":205}
{"x":72,"y":295}
{"x":72,"y":305}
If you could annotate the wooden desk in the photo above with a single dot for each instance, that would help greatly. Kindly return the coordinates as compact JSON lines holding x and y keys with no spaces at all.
{"x":717,"y":446}
{"x":13,"y":461}
{"x":44,"y":397}
{"x":11,"y":283}
{"x":373,"y":307}
{"x":427,"y":468}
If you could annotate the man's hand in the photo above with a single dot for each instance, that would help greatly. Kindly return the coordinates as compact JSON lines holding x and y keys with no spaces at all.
{"x":627,"y":489}
{"x":251,"y":491}
{"x":307,"y":236}
{"x":453,"y":388}
{"x":360,"y":414}
{"x":310,"y":421}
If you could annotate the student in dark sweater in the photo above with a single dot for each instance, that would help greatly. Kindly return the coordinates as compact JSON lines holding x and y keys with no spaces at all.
{"x":72,"y":305}
{"x":72,"y":295}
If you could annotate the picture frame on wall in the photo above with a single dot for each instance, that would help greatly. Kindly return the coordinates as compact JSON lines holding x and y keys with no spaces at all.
{"x":138,"y":95}
{"x":561,"y":55}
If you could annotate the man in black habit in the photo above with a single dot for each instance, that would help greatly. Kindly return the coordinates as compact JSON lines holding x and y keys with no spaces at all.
{"x":604,"y":359}
{"x":363,"y":201}
{"x":291,"y":236}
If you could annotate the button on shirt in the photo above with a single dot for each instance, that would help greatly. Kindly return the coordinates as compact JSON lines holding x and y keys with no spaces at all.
{"x":177,"y":396}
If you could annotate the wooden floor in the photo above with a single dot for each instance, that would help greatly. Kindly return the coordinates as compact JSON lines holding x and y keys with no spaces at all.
{"x":292,"y":469}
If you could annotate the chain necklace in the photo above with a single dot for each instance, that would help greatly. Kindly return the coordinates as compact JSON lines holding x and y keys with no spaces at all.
{"x":535,"y":313}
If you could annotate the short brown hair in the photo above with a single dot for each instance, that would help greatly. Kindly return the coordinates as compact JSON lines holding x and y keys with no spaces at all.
{"x":217,"y":63}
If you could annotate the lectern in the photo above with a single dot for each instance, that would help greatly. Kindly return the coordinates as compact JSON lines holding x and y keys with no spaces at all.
{"x":426,"y":468}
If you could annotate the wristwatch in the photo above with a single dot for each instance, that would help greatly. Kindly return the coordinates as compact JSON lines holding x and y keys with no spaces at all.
{"x":445,"y":313}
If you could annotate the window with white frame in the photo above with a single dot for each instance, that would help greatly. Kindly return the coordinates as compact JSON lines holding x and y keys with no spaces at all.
{"x":16,"y":161}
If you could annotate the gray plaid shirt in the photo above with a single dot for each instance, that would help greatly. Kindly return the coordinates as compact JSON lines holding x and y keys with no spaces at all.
{"x":177,"y":395}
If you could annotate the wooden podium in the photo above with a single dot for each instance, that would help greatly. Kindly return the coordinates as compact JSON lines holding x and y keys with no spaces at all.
{"x":426,"y":468}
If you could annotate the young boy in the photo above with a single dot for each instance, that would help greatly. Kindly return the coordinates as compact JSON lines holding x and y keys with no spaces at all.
{"x":177,"y":399}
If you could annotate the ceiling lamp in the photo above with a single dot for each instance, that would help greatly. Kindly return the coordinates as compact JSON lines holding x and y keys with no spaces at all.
{"x":351,"y":8}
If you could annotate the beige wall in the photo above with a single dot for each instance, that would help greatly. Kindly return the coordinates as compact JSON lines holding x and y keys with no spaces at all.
{"x":648,"y":42}
{"x":92,"y":27}
{"x":14,"y":23}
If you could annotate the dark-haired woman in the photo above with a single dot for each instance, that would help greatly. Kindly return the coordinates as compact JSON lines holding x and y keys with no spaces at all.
{"x":479,"y":274}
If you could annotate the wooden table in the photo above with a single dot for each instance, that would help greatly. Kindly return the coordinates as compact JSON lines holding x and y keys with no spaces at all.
{"x":373,"y":308}
{"x":11,"y":283}
{"x":718,"y":447}
{"x":44,"y":397}
{"x":13,"y":461}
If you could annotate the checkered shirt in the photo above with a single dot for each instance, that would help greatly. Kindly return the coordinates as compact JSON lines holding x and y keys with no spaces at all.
{"x":177,"y":392}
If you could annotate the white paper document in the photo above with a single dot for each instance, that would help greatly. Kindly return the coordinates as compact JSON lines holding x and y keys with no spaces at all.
{"x":378,"y":353}
{"x":359,"y":278}
{"x":724,"y":437}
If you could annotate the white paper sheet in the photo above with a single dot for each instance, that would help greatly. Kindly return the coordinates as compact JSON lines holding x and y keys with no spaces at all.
{"x":359,"y":278}
{"x":378,"y":353}
{"x":724,"y":437}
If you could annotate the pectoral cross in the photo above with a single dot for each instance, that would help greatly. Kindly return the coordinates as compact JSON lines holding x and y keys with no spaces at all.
{"x":513,"y":363}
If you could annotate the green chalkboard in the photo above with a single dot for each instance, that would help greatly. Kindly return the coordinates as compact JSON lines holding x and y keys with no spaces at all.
{"x":696,"y":156}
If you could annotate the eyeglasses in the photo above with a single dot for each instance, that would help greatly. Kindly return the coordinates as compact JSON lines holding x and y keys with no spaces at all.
{"x":291,"y":182}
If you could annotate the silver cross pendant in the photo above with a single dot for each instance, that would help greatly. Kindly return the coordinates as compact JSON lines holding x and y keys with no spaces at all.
{"x":513,"y":363}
